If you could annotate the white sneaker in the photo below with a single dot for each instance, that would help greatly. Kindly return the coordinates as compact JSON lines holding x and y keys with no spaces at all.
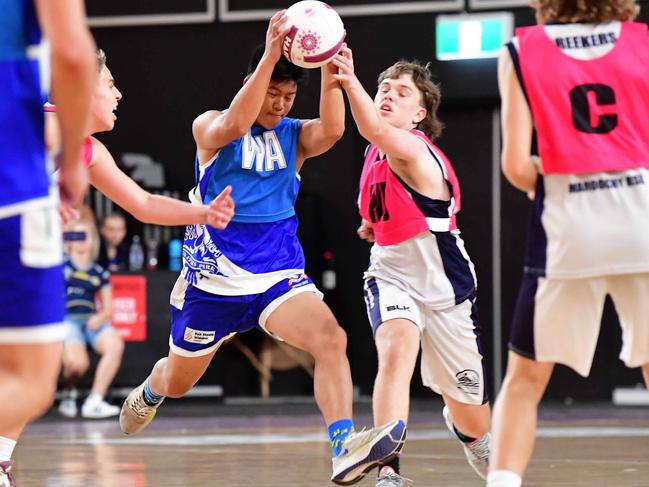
{"x":136,"y":414}
{"x":68,"y":407}
{"x":391,"y":479}
{"x":477,"y":453}
{"x":365,"y":450}
{"x":98,"y":410}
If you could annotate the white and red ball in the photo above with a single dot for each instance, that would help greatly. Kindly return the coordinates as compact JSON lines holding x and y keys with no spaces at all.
{"x":316,"y":34}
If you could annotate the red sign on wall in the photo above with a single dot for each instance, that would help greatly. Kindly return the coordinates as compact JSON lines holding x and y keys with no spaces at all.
{"x":129,"y":306}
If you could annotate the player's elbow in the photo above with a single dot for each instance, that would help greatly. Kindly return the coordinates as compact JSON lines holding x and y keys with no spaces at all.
{"x":335,"y":132}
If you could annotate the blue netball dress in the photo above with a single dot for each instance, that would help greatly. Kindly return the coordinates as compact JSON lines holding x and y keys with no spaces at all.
{"x":232,"y":279}
{"x":31,"y":278}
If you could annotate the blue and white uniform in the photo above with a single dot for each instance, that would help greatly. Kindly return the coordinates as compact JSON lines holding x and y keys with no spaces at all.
{"x":233,"y":279}
{"x":31,"y":278}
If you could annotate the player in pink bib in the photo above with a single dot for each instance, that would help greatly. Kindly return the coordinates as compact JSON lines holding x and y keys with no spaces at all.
{"x":580,"y":79}
{"x":109,"y":179}
{"x":420,"y":286}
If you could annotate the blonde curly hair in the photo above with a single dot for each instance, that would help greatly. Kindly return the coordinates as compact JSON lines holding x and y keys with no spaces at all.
{"x":584,"y":11}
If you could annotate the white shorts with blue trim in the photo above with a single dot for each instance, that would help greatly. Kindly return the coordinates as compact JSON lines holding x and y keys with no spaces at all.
{"x":451,"y":357}
{"x":559,"y":320}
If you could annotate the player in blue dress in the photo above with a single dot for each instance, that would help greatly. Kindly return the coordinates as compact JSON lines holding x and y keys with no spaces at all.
{"x":251,"y":275}
{"x":31,"y":278}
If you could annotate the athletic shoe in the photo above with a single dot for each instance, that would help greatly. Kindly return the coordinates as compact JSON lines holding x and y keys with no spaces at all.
{"x":136,"y":414}
{"x":6,"y":477}
{"x":364,"y":450}
{"x":477,"y":452}
{"x":98,"y":410}
{"x":68,"y":408}
{"x":389,"y":478}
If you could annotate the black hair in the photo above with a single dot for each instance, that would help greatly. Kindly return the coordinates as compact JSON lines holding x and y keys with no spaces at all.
{"x":284,"y":70}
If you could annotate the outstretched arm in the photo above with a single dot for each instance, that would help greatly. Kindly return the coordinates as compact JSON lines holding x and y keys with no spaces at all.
{"x":320,"y":134}
{"x":398,"y":143}
{"x":213,"y":129}
{"x":151,"y":208}
{"x":74,"y":73}
{"x":517,"y":126}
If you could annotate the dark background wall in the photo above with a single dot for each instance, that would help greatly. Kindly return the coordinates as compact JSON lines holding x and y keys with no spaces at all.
{"x":169,"y":74}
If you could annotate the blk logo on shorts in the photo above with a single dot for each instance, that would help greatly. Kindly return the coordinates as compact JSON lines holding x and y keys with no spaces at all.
{"x":468,"y":380}
{"x":398,"y":307}
{"x":200,"y":337}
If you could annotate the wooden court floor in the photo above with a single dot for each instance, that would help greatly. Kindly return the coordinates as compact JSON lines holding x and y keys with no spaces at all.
{"x":577,"y":446}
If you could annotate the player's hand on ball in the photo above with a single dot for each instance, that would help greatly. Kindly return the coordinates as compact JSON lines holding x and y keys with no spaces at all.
{"x":344,"y":61}
{"x":278,"y":27}
{"x":365,"y":231}
{"x":221,"y":210}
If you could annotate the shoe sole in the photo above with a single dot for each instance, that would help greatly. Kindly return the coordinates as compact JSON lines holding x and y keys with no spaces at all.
{"x":385,"y":450}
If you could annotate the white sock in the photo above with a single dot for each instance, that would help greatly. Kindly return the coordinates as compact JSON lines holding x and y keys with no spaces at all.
{"x":94,"y":398}
{"x":503,"y":478}
{"x":6,"y":448}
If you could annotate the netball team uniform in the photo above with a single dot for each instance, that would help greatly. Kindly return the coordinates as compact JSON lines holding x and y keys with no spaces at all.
{"x":31,"y":277}
{"x":233,"y":279}
{"x":588,"y":232}
{"x":420,"y":271}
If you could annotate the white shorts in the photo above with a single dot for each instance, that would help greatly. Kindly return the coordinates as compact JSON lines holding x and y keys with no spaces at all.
{"x":558,"y":320}
{"x":451,"y":357}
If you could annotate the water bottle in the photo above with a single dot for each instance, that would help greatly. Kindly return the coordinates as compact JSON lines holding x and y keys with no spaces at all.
{"x":175,"y":255}
{"x":136,"y":255}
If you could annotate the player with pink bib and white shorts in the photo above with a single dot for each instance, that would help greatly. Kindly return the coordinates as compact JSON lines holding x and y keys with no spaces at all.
{"x":588,"y":231}
{"x":420,"y":287}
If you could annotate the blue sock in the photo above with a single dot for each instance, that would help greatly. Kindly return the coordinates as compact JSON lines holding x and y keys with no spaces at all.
{"x":338,"y":431}
{"x":151,"y":398}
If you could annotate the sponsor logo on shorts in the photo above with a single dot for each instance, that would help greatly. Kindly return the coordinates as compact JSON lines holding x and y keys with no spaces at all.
{"x":198,"y":336}
{"x":468,"y":380}
{"x":398,"y":307}
{"x":298,"y":280}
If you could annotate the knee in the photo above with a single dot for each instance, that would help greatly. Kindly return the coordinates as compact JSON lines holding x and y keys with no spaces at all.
{"x":528,"y":385}
{"x":391,"y":353}
{"x":331,"y":339}
{"x":115,"y":348}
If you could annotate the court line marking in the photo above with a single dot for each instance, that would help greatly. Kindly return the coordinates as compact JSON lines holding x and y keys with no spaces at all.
{"x":257,"y":439}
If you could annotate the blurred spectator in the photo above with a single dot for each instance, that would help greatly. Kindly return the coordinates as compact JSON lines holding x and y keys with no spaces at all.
{"x":86,"y":284}
{"x":113,"y":251}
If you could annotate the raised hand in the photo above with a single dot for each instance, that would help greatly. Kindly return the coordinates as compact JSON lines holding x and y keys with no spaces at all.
{"x":344,"y":62}
{"x":221,"y":210}
{"x":330,"y":68}
{"x":278,"y":27}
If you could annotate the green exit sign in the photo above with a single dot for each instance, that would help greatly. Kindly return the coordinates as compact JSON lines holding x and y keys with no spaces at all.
{"x":472,"y":36}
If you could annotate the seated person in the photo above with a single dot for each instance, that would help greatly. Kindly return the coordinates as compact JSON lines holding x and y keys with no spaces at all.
{"x":113,"y":251}
{"x":89,"y":327}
